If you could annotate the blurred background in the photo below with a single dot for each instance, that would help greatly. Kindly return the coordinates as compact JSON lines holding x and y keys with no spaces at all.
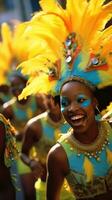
{"x":20,"y":9}
{"x":17,"y":9}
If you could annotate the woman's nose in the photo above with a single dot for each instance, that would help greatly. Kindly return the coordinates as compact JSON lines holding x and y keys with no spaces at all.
{"x":73,"y":106}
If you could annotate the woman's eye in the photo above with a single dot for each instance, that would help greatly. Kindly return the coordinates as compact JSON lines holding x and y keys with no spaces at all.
{"x":81,"y":100}
{"x":84,"y":101}
{"x":64,"y":102}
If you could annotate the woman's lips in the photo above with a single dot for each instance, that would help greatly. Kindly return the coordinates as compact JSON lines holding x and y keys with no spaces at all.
{"x":77,"y":120}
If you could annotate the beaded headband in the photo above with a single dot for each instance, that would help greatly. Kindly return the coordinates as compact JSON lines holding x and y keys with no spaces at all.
{"x":80,"y":80}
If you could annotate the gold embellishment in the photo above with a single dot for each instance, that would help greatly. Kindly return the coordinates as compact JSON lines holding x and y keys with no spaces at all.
{"x":94,"y":149}
{"x":86,"y":191}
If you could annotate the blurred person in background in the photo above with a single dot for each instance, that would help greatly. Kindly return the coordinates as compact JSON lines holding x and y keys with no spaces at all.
{"x":19,"y":112}
{"x":8,"y":154}
{"x":84,"y":51}
{"x":5,"y":94}
{"x":40,"y":134}
{"x":12,"y":51}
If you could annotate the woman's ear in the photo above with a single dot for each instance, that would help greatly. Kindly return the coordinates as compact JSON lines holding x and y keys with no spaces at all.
{"x":95,"y":103}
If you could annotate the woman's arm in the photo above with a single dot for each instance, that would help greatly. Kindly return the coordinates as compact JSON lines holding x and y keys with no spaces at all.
{"x":57,"y":168}
{"x":2,"y":140}
{"x":31,"y":136}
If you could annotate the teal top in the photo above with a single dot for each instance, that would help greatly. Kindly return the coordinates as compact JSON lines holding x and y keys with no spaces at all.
{"x":97,"y":154}
{"x":11,"y":151}
{"x":50,"y":133}
{"x":22,"y":113}
{"x":5,"y":97}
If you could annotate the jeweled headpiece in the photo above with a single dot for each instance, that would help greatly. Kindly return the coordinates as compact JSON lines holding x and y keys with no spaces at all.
{"x":68,"y":42}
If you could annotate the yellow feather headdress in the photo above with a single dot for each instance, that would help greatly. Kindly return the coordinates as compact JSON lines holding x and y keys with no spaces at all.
{"x":68,"y":42}
{"x":13,"y":49}
{"x":5,"y":51}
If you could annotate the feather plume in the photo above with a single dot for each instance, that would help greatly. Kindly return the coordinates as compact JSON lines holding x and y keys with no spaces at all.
{"x":36,"y":84}
{"x":44,"y":38}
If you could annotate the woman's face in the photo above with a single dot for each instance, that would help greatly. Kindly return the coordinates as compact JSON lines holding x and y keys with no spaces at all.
{"x":78,"y":105}
{"x":17,"y":85}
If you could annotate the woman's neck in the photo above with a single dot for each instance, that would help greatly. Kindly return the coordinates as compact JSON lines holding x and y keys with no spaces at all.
{"x":89,"y":136}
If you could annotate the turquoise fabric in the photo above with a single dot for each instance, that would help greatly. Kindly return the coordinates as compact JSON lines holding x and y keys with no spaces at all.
{"x":21,"y":111}
{"x":102,"y":168}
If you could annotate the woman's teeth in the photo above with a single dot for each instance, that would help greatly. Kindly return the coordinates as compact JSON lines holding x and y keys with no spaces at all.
{"x":77,"y":117}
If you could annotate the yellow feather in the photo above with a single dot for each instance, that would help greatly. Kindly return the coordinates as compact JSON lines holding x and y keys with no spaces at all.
{"x":6,"y":34}
{"x":75,"y":11}
{"x":107,"y":112}
{"x":53,"y":6}
{"x":109,"y":156}
{"x":88,"y":168}
{"x":95,"y":22}
{"x":101,"y":36}
{"x":37,"y":84}
{"x":20,"y":43}
{"x":36,"y":64}
{"x":48,"y":5}
{"x":95,"y":5}
{"x":44,"y":34}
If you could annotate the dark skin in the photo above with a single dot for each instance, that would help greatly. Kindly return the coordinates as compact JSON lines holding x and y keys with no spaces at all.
{"x":57,"y":163}
{"x":7,"y":190}
{"x":17,"y":85}
{"x":4,"y":90}
{"x":33,"y":133}
{"x":8,"y":112}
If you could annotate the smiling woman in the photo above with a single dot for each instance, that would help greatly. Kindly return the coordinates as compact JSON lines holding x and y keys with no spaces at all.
{"x":80,"y":54}
{"x":78,"y":106}
{"x":83,"y":155}
{"x":8,"y":155}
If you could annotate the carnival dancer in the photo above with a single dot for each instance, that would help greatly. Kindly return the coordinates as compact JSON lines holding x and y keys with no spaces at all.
{"x":74,"y":63}
{"x":8,"y":154}
{"x":41,"y":134}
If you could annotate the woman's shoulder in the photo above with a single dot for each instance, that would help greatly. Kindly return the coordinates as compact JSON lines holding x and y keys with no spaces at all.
{"x":56,"y":151}
{"x":57,"y":157}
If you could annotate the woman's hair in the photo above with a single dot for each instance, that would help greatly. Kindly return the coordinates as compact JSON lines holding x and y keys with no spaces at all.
{"x":18,"y":74}
{"x":103,"y":95}
{"x":88,"y":84}
{"x":22,"y":78}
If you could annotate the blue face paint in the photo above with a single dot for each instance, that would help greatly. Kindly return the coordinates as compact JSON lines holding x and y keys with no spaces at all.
{"x":83,"y":100}
{"x":64,"y":103}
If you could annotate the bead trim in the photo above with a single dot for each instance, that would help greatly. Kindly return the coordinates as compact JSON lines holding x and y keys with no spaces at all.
{"x":91,"y":150}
